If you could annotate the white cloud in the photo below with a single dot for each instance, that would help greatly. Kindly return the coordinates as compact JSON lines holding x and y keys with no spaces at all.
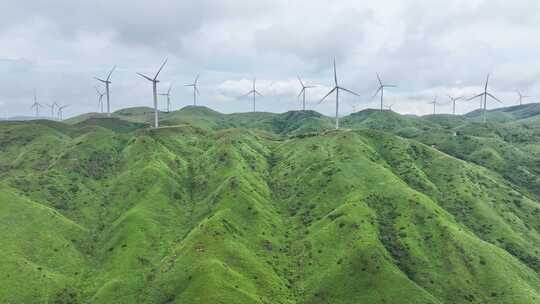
{"x":426,"y":47}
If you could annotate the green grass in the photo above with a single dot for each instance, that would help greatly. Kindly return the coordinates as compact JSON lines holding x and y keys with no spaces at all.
{"x":270,"y":208}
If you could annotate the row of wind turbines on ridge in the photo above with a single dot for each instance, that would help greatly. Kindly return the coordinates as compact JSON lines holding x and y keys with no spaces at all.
{"x":253,"y":93}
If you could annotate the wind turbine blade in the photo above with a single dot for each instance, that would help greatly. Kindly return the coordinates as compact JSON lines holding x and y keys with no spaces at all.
{"x":301,"y":91}
{"x":335,"y":73}
{"x":476,"y":96}
{"x":497,"y":99}
{"x":378,"y":90}
{"x":189,"y":85}
{"x":247,"y":94}
{"x":390,"y":86}
{"x":104,"y":81}
{"x":346,"y":90}
{"x":301,"y":83}
{"x":197,"y":90}
{"x":487,"y":81}
{"x":257,"y":92}
{"x":331,"y":91}
{"x":161,"y":68}
{"x":379,"y":78}
{"x":110,"y":73}
{"x":196,"y":79}
{"x":145,"y":77}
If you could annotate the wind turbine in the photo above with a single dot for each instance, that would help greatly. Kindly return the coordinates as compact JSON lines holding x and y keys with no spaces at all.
{"x":453,"y":101}
{"x":195,"y":89}
{"x":434,"y":103}
{"x":303,"y":93}
{"x":336,"y":89}
{"x":154,"y":87}
{"x":107,"y":82}
{"x":60,"y":108}
{"x":483,"y":98}
{"x":354,"y":107}
{"x":381,"y":89}
{"x":168,"y":94}
{"x":253,"y":92}
{"x":521,"y":97}
{"x":54,"y":104}
{"x":100,"y":96}
{"x":36,"y":105}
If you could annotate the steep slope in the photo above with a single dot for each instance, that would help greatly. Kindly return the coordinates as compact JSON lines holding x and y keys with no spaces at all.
{"x":104,"y":211}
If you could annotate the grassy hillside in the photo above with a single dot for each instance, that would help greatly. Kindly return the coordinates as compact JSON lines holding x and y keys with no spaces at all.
{"x":270,"y":208}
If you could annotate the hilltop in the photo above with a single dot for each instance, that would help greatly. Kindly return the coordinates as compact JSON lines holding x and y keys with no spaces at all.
{"x":271,"y":208}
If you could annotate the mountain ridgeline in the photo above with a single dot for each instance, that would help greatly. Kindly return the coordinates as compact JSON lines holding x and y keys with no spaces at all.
{"x":271,"y":208}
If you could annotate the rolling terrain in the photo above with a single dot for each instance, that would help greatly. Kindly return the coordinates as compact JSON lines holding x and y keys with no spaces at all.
{"x":271,"y":208}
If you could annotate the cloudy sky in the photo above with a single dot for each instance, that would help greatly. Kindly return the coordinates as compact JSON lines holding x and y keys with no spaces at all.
{"x":428,"y":48}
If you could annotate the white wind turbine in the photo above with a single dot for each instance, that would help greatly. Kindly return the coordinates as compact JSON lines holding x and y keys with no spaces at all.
{"x":36,"y":105}
{"x":52,"y":106}
{"x":100,"y":99}
{"x":521,"y":97}
{"x":195,"y":89}
{"x":154,"y":87}
{"x":453,"y":100}
{"x":434,"y":103}
{"x":107,"y":82}
{"x":355,"y":107}
{"x":336,"y":89}
{"x":303,"y":92}
{"x":483,"y":98}
{"x":254,"y":94}
{"x":168,"y":94}
{"x":60,"y":111}
{"x":381,"y":89}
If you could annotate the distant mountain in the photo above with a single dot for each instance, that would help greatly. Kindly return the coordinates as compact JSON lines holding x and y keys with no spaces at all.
{"x":507,"y":114}
{"x":22,"y":118}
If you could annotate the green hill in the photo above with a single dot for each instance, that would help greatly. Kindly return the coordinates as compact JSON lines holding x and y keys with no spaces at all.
{"x":270,"y":208}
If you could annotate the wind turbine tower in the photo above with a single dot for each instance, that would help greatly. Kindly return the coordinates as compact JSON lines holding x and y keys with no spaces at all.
{"x":381,"y":89}
{"x":195,"y":89}
{"x":154,"y":90}
{"x":168,"y":94}
{"x":303,"y":92}
{"x":107,"y":82}
{"x":336,"y":89}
